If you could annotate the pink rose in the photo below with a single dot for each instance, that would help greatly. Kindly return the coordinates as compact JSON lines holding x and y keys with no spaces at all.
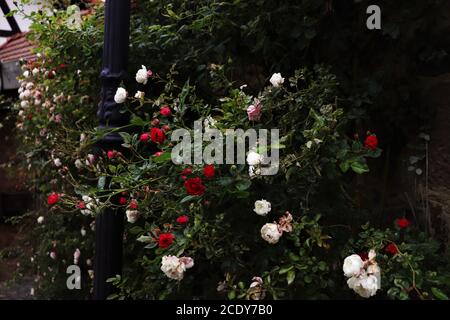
{"x":254,"y":111}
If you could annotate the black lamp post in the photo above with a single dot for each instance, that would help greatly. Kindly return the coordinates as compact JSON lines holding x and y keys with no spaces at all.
{"x":109,"y":224}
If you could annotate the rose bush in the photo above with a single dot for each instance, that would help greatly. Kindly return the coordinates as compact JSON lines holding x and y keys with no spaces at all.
{"x":255,"y":236}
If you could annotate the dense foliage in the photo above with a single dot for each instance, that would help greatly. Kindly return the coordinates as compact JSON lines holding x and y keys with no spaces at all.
{"x":211,"y":61}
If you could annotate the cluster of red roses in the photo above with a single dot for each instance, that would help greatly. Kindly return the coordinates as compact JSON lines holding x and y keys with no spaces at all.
{"x":194,"y":186}
{"x":166,"y":239}
{"x":157,"y":135}
{"x":402,"y":223}
{"x":391,"y":248}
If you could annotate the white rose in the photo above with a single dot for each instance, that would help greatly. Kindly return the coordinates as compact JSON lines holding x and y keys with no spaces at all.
{"x":262,"y":207}
{"x":121,"y":95}
{"x":90,"y":205}
{"x":139,"y":95}
{"x":88,"y":262}
{"x":76,"y":256}
{"x":35,"y":71}
{"x":253,"y":158}
{"x":24,"y":104}
{"x":57,"y":162}
{"x":26,"y":74}
{"x":352,"y":265}
{"x":29,"y":86}
{"x":270,"y":233}
{"x":142,"y":75}
{"x":40,"y":219}
{"x":132,"y":215}
{"x":82,"y":137}
{"x":187,"y":261}
{"x":90,"y":159}
{"x":172,"y":267}
{"x":276,"y":80}
{"x":364,"y":285}
{"x":83,"y":232}
{"x":53,"y":255}
{"x":78,"y":164}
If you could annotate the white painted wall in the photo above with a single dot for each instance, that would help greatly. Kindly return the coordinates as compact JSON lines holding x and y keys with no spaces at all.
{"x":21,"y":20}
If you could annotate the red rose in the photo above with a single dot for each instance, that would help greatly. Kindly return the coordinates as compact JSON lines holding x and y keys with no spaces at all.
{"x":194,"y":186}
{"x":165,"y":128}
{"x":391,"y":248}
{"x":133,"y":204}
{"x":111,"y":154}
{"x":186,"y":171}
{"x":81,"y":205}
{"x":51,"y":74}
{"x":403,"y":223}
{"x":371,"y":142}
{"x":52,"y":199}
{"x":155,"y":122}
{"x":183,"y":219}
{"x":144,"y":137}
{"x":165,"y":240}
{"x":157,"y":135}
{"x":123,"y":201}
{"x":165,"y":111}
{"x":208,"y":171}
{"x":157,"y":154}
{"x":149,"y":73}
{"x":62,"y":65}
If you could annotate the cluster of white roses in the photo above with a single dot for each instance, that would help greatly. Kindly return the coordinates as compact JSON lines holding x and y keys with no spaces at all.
{"x":142,"y":76}
{"x":364,"y":276}
{"x":174,"y":267}
{"x":90,"y":206}
{"x":272,"y":232}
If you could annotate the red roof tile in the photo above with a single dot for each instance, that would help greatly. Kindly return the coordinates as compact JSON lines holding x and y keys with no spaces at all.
{"x":16,"y":47}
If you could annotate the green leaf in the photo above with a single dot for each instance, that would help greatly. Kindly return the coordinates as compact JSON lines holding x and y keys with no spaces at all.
{"x":137,"y":121}
{"x":344,"y":166}
{"x":166,"y":156}
{"x":243,"y":185}
{"x":151,"y":245}
{"x":136,"y":230}
{"x":359,"y":167}
{"x":439,"y":294}
{"x":290,"y":277}
{"x":231,"y":295}
{"x":285,"y":269}
{"x":307,"y":279}
{"x":126,"y":137}
{"x":189,"y":198}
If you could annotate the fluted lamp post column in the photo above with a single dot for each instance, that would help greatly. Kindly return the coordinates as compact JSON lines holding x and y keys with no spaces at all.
{"x":109,"y":224}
